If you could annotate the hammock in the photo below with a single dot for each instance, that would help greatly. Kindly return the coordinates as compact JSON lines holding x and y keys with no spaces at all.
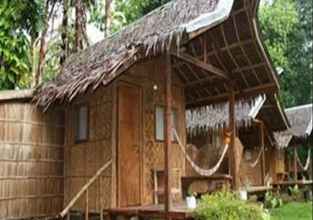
{"x":199,"y":170}
{"x":257,"y":159}
{"x":306,"y":167}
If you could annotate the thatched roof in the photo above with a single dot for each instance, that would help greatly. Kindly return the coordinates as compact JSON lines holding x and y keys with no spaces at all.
{"x":100,"y":63}
{"x":265,"y":108}
{"x":229,"y":27}
{"x":301,"y":120}
{"x":11,"y":95}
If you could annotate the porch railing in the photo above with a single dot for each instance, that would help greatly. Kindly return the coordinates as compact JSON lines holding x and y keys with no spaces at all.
{"x":85,"y":190}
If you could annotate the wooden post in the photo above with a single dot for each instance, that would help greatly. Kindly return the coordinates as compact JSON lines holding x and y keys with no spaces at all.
{"x":101,"y":200}
{"x":168,"y":135}
{"x":263,"y":152}
{"x":87,"y":206}
{"x":233,"y":154}
{"x":295,"y":169}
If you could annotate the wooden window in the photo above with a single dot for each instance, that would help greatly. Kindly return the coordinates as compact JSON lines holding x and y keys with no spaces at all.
{"x":160,"y":123}
{"x":82,"y":126}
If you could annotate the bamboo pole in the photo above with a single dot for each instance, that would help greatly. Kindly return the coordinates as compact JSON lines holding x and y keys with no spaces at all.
{"x":84,"y":188}
{"x":168,"y":136}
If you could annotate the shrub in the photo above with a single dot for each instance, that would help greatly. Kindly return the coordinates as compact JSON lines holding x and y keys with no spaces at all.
{"x":227,"y":206}
{"x":272,"y":201}
{"x":295,"y":192}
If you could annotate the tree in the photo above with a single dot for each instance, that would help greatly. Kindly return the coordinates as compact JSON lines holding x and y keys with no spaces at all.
{"x":48,"y":13}
{"x":135,"y":9}
{"x":287,"y":37}
{"x":20,"y":23}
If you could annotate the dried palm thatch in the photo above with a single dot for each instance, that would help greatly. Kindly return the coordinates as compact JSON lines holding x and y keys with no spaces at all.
{"x":216,"y":116}
{"x":266,"y":108}
{"x":219,"y":48}
{"x":301,"y":120}
{"x":104,"y":61}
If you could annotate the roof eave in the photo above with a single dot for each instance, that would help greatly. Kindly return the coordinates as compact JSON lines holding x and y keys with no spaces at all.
{"x":207,"y":21}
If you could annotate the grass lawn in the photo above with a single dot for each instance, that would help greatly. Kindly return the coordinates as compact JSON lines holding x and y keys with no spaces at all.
{"x":293,"y":211}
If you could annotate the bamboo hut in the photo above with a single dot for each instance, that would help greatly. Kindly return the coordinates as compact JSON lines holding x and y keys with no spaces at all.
{"x":31,"y":158}
{"x":125,"y":98}
{"x":300,"y":134}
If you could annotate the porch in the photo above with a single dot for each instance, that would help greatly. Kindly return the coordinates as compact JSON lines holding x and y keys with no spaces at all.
{"x":179,"y":211}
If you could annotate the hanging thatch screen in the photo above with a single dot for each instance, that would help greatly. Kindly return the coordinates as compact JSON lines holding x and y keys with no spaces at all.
{"x":31,"y":159}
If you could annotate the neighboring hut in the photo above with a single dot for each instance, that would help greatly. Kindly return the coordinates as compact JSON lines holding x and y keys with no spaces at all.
{"x":300,"y":134}
{"x":123,"y":96}
{"x":256,"y":123}
{"x":31,"y":158}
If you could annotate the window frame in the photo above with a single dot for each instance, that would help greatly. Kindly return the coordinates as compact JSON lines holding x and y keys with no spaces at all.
{"x":175,"y":123}
{"x":77,"y":109}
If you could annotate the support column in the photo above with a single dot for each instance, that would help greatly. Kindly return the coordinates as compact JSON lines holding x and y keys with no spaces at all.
{"x":263,"y":152}
{"x":295,"y":167}
{"x":233,"y":153}
{"x":168,"y":136}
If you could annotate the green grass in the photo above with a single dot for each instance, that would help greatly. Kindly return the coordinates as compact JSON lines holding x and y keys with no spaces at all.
{"x":293,"y":211}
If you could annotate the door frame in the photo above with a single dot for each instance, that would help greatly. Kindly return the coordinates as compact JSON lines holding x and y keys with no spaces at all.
{"x":118,"y":177}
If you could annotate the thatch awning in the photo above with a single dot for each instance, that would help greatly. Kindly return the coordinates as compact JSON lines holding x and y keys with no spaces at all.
{"x":301,"y":120}
{"x":11,"y":95}
{"x":226,"y":30}
{"x":265,"y":108}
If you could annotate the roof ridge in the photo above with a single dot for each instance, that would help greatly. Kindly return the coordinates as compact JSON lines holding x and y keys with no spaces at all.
{"x":299,"y":107}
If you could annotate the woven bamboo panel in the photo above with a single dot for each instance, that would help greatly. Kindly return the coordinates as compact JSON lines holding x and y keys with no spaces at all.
{"x":83,"y":160}
{"x":31,"y":161}
{"x":251,"y":175}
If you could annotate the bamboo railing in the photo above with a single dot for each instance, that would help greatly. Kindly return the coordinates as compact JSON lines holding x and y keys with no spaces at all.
{"x":85,"y":190}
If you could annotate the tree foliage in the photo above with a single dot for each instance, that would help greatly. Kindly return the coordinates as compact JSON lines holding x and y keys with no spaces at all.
{"x":131,"y":10}
{"x":287,"y":37}
{"x":20,"y":23}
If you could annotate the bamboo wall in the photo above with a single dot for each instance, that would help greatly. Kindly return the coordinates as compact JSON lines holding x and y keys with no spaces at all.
{"x":146,"y":75}
{"x":82,"y":160}
{"x":251,"y":176}
{"x":275,"y":163}
{"x":31,"y":161}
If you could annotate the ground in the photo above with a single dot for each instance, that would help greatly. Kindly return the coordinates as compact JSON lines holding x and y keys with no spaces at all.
{"x":293,"y":211}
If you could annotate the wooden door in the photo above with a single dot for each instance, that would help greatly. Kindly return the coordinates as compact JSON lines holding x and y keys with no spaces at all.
{"x":129,"y":144}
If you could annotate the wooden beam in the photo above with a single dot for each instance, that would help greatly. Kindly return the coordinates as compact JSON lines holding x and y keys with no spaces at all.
{"x":168,"y":136}
{"x":250,"y":67}
{"x":200,"y":64}
{"x":196,"y":83}
{"x":266,"y":88}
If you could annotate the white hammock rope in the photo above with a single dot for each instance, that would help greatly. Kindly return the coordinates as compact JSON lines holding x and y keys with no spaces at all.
{"x":252,"y":165}
{"x":199,"y":170}
{"x":307,"y":163}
